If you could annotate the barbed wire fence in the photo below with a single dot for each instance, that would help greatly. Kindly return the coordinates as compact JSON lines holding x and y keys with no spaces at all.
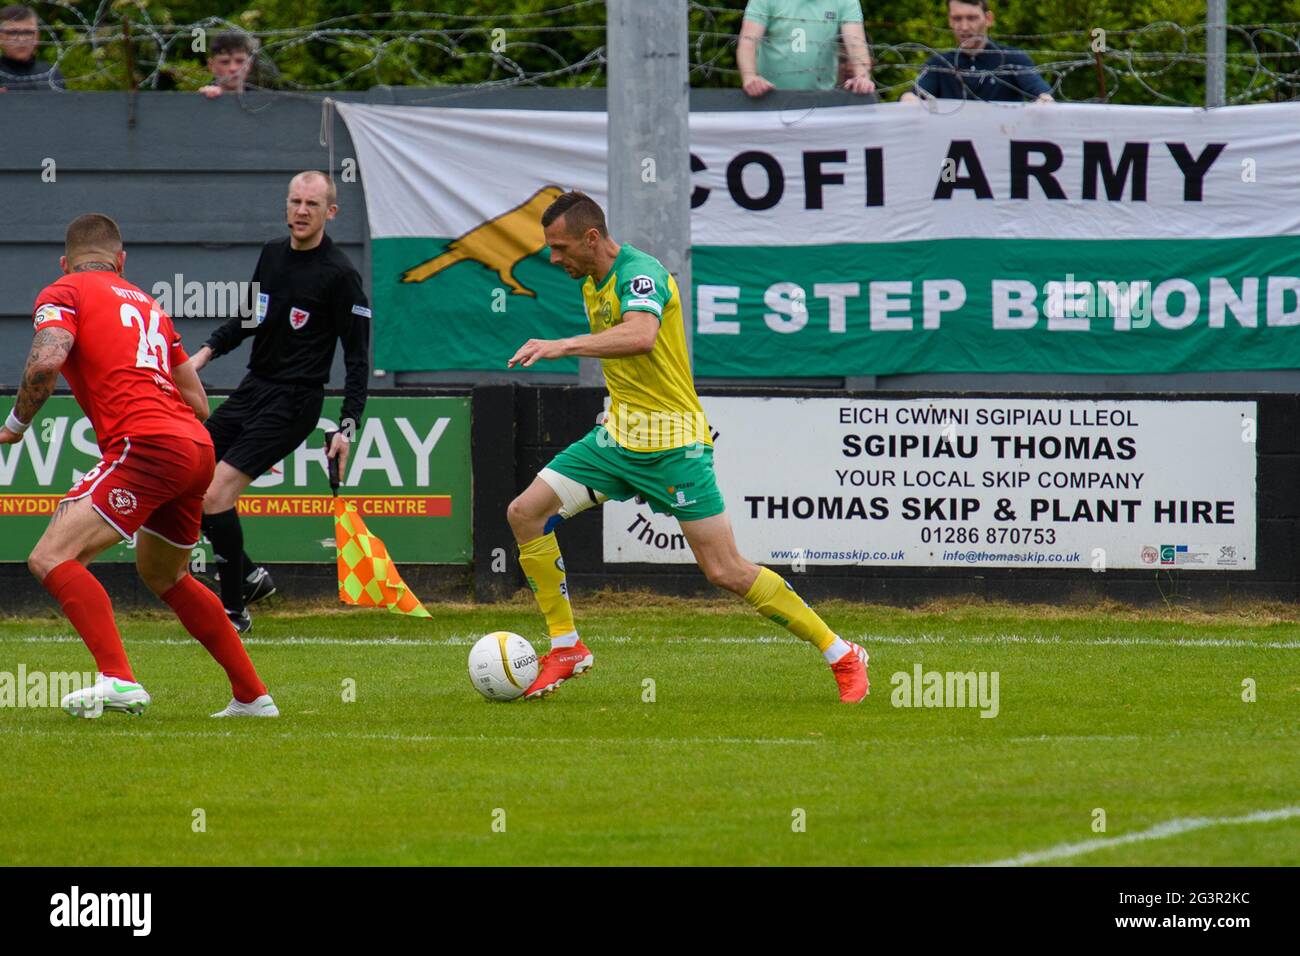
{"x":121,"y":45}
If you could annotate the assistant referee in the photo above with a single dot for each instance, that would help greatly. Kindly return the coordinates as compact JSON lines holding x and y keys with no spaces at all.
{"x":308,"y":297}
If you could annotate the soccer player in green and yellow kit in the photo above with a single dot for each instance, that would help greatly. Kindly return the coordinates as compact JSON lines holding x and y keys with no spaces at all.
{"x":655,"y":443}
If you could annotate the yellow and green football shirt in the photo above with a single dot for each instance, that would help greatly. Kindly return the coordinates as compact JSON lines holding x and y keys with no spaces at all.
{"x":652,"y":400}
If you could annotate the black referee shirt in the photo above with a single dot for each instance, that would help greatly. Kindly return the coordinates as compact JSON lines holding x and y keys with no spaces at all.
{"x":306,"y":302}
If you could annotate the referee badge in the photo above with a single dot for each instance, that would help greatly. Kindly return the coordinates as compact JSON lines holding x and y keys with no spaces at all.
{"x":263,"y":304}
{"x":298,"y":317}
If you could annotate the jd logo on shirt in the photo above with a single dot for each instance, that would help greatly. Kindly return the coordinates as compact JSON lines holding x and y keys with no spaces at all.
{"x":298,"y":317}
{"x":643,"y":285}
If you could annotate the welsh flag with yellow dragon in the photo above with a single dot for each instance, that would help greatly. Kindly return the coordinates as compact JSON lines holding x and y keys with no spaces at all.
{"x":459,"y":272}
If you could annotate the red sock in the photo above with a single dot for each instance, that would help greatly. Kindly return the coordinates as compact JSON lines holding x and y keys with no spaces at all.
{"x":201,"y":612}
{"x":87,"y":606}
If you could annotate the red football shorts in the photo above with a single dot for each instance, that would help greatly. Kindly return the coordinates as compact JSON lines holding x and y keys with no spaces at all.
{"x":152,"y":484}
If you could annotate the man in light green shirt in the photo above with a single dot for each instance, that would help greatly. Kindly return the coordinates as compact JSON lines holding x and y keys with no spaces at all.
{"x":790,"y":45}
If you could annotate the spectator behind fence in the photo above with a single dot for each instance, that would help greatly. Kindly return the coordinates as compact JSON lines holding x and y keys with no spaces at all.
{"x":235,"y":65}
{"x":20,"y":70}
{"x":978,"y":69}
{"x":792,"y":45}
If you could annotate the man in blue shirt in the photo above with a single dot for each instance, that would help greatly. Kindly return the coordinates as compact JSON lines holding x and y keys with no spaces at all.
{"x":978,"y":69}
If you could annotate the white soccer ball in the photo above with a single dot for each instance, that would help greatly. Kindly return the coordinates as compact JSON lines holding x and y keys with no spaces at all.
{"x":502,"y":665}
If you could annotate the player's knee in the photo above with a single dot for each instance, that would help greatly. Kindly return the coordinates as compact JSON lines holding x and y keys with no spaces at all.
{"x":160,"y":581}
{"x":219,"y":500}
{"x":39,"y":564}
{"x":724,"y":575}
{"x":520,"y":518}
{"x":514,"y":514}
{"x":159,"y":575}
{"x":45,"y":557}
{"x":224,"y":491}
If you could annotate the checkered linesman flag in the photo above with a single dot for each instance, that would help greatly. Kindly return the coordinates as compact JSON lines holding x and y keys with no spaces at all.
{"x":367,"y":575}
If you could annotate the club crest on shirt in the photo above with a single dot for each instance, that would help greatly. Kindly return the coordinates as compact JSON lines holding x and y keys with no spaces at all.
{"x":121,"y":501}
{"x":298,"y":317}
{"x":643,"y":285}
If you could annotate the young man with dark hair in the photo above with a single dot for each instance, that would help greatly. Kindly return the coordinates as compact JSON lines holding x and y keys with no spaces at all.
{"x":979,"y":69}
{"x":235,"y":65}
{"x":655,"y":443}
{"x":20,"y":70}
{"x":309,"y":299}
{"x":128,"y":372}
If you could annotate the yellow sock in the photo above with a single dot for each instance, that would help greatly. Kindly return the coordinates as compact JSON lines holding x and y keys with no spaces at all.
{"x":544,"y":569}
{"x":773,"y":598}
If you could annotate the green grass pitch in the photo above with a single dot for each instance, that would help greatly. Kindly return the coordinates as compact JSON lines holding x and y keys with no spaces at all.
{"x":744,"y":756}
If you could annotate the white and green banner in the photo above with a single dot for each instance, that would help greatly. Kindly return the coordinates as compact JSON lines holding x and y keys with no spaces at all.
{"x":865,"y":240}
{"x":974,"y":482}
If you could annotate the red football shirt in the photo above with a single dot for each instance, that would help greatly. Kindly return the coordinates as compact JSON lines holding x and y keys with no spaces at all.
{"x":120,"y":365}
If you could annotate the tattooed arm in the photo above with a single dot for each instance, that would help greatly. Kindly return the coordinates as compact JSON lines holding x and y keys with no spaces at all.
{"x":50,"y":350}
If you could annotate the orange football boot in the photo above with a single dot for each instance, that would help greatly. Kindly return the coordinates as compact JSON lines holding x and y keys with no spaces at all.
{"x":557,"y":667}
{"x":851,"y":674}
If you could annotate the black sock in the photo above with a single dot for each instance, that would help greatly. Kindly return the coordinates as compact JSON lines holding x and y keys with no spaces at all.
{"x":249,"y":566}
{"x":227,"y":537}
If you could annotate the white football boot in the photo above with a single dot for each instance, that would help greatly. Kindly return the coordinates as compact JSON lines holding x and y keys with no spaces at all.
{"x":263,"y":706}
{"x":107,"y":693}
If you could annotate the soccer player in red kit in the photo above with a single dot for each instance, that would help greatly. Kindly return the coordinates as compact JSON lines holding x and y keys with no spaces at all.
{"x":128,"y":372}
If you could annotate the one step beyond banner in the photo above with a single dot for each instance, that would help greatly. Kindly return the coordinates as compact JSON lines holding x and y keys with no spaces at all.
{"x":865,"y":240}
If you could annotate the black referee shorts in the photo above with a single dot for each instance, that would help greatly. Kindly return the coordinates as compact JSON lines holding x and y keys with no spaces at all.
{"x":262,"y":422}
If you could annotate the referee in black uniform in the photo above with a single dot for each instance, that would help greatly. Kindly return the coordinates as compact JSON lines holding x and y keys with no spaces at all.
{"x":308,"y":298}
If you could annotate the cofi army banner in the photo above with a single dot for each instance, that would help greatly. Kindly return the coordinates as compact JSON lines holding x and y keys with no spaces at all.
{"x":865,"y":240}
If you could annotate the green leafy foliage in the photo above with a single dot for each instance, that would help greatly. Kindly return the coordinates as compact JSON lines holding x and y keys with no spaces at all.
{"x":1143,"y":51}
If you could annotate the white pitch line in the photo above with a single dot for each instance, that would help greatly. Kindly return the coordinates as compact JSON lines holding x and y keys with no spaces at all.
{"x":1160,"y":831}
{"x":1076,"y":738}
{"x":430,"y":738}
{"x":868,"y":639}
{"x":875,"y":743}
{"x":265,"y":641}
